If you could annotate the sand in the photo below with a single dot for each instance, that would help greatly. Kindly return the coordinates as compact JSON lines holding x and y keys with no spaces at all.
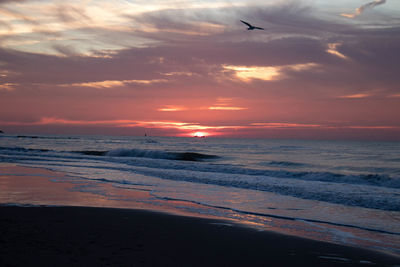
{"x":82,"y":230}
{"x":81,"y":236}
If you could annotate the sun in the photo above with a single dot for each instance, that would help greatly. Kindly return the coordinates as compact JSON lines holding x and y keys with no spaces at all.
{"x":199,"y":134}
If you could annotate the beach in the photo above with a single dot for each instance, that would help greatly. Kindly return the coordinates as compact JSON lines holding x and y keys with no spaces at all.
{"x":47,"y":223}
{"x":82,"y":236}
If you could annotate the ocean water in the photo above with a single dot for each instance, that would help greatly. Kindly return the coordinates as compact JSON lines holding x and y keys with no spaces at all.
{"x":339,"y":191}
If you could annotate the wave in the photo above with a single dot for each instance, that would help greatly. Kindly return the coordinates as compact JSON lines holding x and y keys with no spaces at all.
{"x":44,"y":137}
{"x":158,"y":154}
{"x":364,"y":190}
{"x":284,"y":163}
{"x":149,"y":141}
{"x":274,"y":215}
{"x":372,"y":197}
{"x":91,"y":152}
{"x":340,"y":193}
{"x":135,"y":153}
{"x":373,"y":179}
{"x":22,"y":149}
{"x":152,"y":154}
{"x":149,"y":159}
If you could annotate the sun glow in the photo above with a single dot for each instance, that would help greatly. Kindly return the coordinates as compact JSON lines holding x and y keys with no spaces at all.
{"x":200,"y":134}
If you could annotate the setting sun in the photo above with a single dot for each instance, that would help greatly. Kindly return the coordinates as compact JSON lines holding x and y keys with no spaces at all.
{"x":200,"y":134}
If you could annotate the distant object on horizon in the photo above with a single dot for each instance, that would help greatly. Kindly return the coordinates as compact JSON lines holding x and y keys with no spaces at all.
{"x":251,"y":27}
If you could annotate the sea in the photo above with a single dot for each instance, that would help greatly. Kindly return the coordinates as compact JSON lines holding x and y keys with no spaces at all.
{"x":345,"y":192}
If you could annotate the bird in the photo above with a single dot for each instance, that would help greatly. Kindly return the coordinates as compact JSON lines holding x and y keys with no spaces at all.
{"x":251,"y":27}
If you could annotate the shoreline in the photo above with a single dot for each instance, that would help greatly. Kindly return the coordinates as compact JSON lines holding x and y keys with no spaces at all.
{"x":66,"y":236}
{"x":38,"y":186}
{"x":54,"y":195}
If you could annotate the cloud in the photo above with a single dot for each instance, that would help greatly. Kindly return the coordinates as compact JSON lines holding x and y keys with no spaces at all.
{"x":362,"y":8}
{"x":18,"y":15}
{"x":266,"y":73}
{"x":394,"y":95}
{"x":66,"y":50}
{"x":225,"y":104}
{"x":180,"y":128}
{"x":10,"y":1}
{"x":191,"y":21}
{"x":245,"y":73}
{"x":226,"y":108}
{"x":356,"y":96}
{"x":111,"y":84}
{"x":183,"y":126}
{"x":171,"y":108}
{"x":7,"y":86}
{"x":284,"y":125}
{"x":53,"y":120}
{"x":372,"y":127}
{"x":72,"y":14}
{"x":332,"y":48}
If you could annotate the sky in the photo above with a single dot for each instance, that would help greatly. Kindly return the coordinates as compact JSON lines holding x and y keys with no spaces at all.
{"x":321,"y":69}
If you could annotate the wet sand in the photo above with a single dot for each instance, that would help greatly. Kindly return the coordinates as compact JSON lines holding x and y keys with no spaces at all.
{"x":68,"y":235}
{"x":81,"y":236}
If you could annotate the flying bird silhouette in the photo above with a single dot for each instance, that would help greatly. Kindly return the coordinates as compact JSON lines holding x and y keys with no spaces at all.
{"x":251,"y":27}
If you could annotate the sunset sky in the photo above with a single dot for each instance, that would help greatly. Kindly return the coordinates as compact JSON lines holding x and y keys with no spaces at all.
{"x":321,"y":69}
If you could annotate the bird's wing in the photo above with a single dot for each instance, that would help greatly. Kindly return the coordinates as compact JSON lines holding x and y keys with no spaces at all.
{"x":259,"y":28}
{"x":248,"y":24}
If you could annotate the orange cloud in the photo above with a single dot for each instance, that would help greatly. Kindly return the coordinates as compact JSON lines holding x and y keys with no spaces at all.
{"x":266,"y":73}
{"x":189,"y":128}
{"x":349,"y":15}
{"x":7,"y":86}
{"x":394,"y":95}
{"x":178,"y":73}
{"x":245,"y":73}
{"x":182,"y":125}
{"x":332,"y":49}
{"x":160,"y":124}
{"x":225,"y":103}
{"x":355,"y":96}
{"x":362,"y":8}
{"x":226,"y":108}
{"x":196,"y":29}
{"x":284,"y":125}
{"x":51,"y":120}
{"x":171,"y":108}
{"x":372,"y":127}
{"x":224,"y":100}
{"x":113,"y":83}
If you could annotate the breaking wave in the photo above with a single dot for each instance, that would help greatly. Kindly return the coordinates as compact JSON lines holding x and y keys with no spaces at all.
{"x":153,"y":154}
{"x":370,"y":190}
{"x":159,"y":159}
